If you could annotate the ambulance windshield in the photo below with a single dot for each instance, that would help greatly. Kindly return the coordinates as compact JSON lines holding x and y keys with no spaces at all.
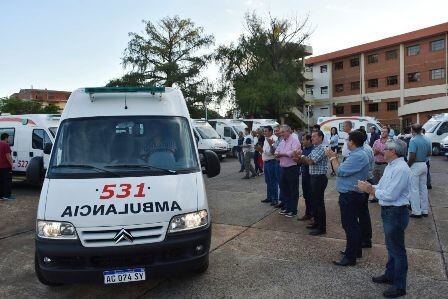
{"x":123,"y":146}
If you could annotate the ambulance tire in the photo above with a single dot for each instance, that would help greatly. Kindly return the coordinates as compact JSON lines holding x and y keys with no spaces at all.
{"x":40,"y":276}
{"x":35,"y":171}
{"x":202,"y":268}
{"x":212,"y":162}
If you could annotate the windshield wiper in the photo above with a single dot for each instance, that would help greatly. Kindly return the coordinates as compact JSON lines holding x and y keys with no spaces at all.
{"x":169,"y":171}
{"x":85,"y":166}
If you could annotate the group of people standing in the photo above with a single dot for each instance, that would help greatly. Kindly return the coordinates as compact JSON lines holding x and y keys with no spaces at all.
{"x":378,"y":165}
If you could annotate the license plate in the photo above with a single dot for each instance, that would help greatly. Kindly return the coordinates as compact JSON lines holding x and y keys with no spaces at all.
{"x":127,"y":275}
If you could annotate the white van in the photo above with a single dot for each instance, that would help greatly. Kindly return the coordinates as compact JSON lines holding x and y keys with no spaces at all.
{"x":29,"y":134}
{"x":229,"y":129}
{"x":208,"y":139}
{"x":437,"y":129}
{"x":123,"y":198}
{"x":255,"y":124}
{"x":326,"y":123}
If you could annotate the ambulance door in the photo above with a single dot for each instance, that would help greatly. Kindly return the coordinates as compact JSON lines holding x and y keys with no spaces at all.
{"x":12,"y":143}
{"x":23,"y":134}
{"x":39,"y":139}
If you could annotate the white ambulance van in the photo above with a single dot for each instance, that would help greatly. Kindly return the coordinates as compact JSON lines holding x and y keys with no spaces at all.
{"x":28,"y":136}
{"x":123,"y":198}
{"x":437,"y":129}
{"x":326,"y":123}
{"x":229,"y":129}
{"x":255,"y":124}
{"x":208,"y":139}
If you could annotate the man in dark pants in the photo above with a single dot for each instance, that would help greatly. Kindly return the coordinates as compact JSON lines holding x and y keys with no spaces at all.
{"x":318,"y":162}
{"x":364,"y":214}
{"x":393,"y":192}
{"x":306,"y":179}
{"x":355,"y":168}
{"x":5,"y":168}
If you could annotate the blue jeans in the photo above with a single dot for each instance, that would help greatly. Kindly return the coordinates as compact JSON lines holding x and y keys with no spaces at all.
{"x":257,"y":166}
{"x":289,"y":185}
{"x":395,"y":221}
{"x":241,"y":159}
{"x":278,"y":175}
{"x":306,"y":189}
{"x":270,"y":177}
{"x":350,"y":205}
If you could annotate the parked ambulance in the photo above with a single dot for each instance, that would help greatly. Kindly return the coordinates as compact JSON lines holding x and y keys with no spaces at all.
{"x":326,"y":123}
{"x":208,"y":139}
{"x":437,"y":129}
{"x":124,"y":197}
{"x":28,"y":136}
{"x":229,"y":129}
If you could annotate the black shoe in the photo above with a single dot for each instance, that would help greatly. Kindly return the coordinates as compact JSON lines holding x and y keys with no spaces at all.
{"x":311,"y":226}
{"x":279,"y":206}
{"x":366,"y":245}
{"x":254,"y":175}
{"x":241,"y":171}
{"x":382,"y":279}
{"x":358,"y":256}
{"x":290,"y":214}
{"x":424,"y":215}
{"x":429,"y":187}
{"x":245,"y":177}
{"x":415,"y":216}
{"x":317,"y":232}
{"x":283,"y":212}
{"x":274,"y":203}
{"x":345,"y":262}
{"x":266,"y":200}
{"x":393,"y":292}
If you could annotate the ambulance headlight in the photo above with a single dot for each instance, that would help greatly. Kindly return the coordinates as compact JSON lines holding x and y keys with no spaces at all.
{"x":188,"y":221}
{"x":55,"y":230}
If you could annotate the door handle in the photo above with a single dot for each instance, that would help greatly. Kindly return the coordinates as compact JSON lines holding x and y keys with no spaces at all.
{"x":31,"y":154}
{"x":14,"y":154}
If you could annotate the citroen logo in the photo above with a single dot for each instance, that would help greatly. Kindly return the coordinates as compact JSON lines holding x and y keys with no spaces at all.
{"x":123,"y":235}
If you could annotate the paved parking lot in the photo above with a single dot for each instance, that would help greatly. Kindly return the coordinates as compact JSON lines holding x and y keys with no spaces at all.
{"x":256,"y":252}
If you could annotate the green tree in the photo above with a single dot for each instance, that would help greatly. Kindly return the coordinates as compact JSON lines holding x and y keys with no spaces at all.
{"x":263,"y":70}
{"x":18,"y":106}
{"x":171,"y":52}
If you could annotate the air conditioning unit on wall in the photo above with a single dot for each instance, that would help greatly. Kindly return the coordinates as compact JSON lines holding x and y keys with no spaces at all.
{"x":365,"y":98}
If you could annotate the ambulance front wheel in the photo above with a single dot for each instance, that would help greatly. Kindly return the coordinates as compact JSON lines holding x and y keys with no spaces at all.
{"x":35,"y":171}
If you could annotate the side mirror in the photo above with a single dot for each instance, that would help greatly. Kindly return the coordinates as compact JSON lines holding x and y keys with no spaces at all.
{"x":212,"y":164}
{"x":233,"y":136}
{"x":47,"y":148}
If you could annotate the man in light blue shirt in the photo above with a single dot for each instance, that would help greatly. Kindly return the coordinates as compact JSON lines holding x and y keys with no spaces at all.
{"x":353,"y":169}
{"x":393,"y":192}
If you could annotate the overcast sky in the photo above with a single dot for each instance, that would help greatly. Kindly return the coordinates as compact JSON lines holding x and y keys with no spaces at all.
{"x":68,"y":44}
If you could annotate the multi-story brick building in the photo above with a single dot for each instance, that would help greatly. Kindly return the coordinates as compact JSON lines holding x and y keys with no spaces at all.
{"x":56,"y":97}
{"x":399,"y":80}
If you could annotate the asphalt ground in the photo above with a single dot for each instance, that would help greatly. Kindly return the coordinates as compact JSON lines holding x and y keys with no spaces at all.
{"x":256,"y":253}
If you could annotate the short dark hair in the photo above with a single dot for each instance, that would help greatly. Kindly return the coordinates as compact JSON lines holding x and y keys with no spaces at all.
{"x":320,"y":134}
{"x":269,"y":128}
{"x":387,"y":128}
{"x":350,"y":124}
{"x":417,"y":128}
{"x":4,"y":136}
{"x":307,"y":137}
{"x":317,"y":127}
{"x":246,"y":130}
{"x":364,"y":133}
{"x":357,"y":137}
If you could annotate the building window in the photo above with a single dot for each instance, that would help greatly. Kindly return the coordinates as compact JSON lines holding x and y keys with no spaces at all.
{"x":438,"y":45}
{"x":373,"y":58}
{"x":392,"y":80}
{"x":354,"y":62}
{"x":414,"y":77}
{"x":373,"y":107}
{"x":339,"y":87}
{"x":355,"y":108}
{"x":392,"y":106}
{"x":437,"y":74}
{"x":413,"y":50}
{"x":339,"y":109}
{"x":323,"y":68}
{"x":372,"y":83}
{"x":339,"y":65}
{"x":309,"y":90}
{"x":324,"y":90}
{"x":392,"y":54}
{"x":354,"y":85}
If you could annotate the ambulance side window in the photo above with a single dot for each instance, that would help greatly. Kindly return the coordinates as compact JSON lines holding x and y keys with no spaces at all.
{"x":11,"y":132}
{"x":39,"y":139}
{"x":227,"y":132}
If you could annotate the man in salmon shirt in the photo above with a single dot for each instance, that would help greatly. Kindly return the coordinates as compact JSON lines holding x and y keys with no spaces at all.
{"x":5,"y":168}
{"x":289,"y":183}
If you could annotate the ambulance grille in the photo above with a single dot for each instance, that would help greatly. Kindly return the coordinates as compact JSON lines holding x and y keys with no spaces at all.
{"x":109,"y":236}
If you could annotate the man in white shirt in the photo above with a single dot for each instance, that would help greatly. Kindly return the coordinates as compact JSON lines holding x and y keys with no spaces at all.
{"x":347,"y":126}
{"x":248,"y":150}
{"x":270,"y":166}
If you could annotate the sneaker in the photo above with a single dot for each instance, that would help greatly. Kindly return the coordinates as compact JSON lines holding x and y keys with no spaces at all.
{"x":283,"y":212}
{"x":290,"y":214}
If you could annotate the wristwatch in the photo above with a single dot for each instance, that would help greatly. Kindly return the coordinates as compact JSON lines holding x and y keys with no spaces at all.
{"x":302,"y":156}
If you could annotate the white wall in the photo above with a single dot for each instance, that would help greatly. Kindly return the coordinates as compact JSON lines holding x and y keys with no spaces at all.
{"x":320,"y":80}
